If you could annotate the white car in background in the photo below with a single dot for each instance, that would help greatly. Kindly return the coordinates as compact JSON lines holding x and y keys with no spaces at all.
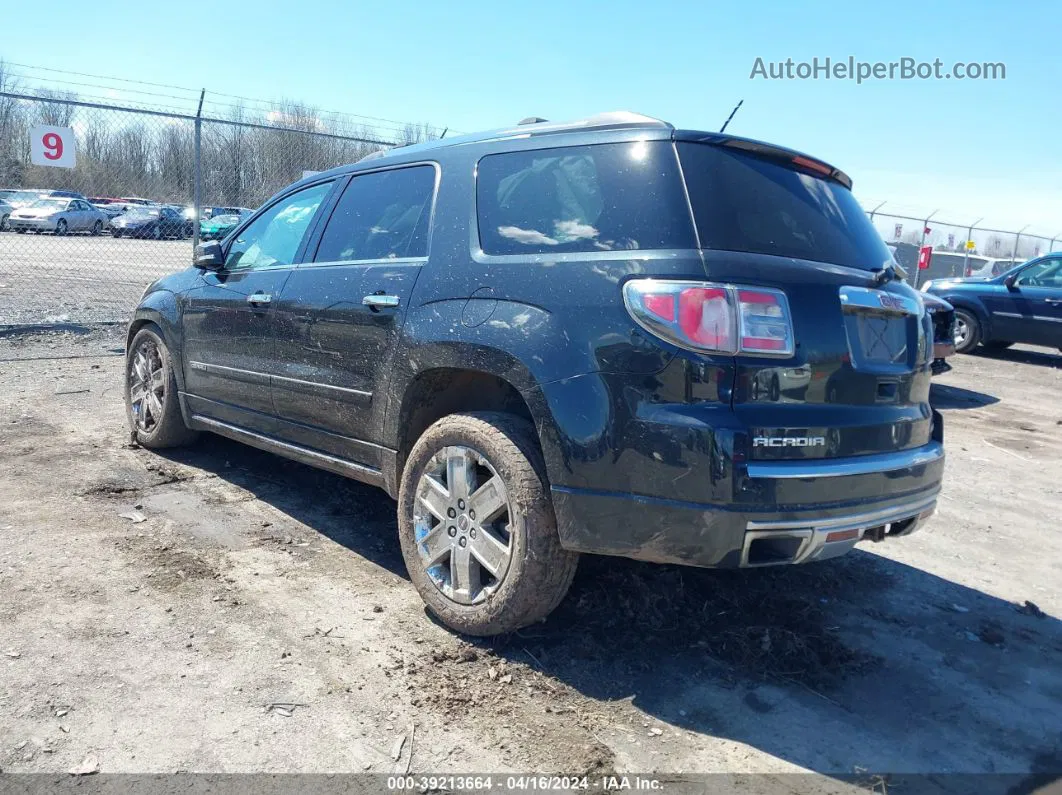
{"x":59,"y":216}
{"x":993,"y":267}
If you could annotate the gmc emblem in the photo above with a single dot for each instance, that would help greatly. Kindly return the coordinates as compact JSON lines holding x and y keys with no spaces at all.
{"x":789,"y":441}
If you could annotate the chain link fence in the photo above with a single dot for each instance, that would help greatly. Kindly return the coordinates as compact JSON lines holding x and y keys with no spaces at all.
{"x":133,"y":190}
{"x":126,"y":192}
{"x":958,"y":249}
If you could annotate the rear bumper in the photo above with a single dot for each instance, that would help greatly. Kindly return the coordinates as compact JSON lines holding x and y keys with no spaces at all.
{"x":782,"y":512}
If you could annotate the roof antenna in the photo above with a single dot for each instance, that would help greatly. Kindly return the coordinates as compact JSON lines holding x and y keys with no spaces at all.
{"x":728,"y":118}
{"x":443,"y":135}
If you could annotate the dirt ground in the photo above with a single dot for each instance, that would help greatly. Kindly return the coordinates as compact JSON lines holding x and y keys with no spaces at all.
{"x":220,"y":609}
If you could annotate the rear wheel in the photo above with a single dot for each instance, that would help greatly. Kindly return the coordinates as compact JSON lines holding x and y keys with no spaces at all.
{"x":116,"y":233}
{"x":967,"y":331}
{"x":97,"y":228}
{"x":477,"y":528}
{"x":151,"y":393}
{"x":156,"y":233}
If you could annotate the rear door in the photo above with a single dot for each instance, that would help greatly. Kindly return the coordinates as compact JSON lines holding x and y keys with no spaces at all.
{"x":340,"y":313}
{"x":854,"y":379}
{"x":228,"y":316}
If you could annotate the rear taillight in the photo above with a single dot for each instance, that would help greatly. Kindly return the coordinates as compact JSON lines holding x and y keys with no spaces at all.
{"x":714,"y":318}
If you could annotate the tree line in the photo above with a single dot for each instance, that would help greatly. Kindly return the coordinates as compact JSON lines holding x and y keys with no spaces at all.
{"x":123,"y":152}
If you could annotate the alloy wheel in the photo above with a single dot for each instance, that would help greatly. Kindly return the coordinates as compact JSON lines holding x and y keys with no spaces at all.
{"x":962,"y":331}
{"x":147,"y":385}
{"x":462,"y":521}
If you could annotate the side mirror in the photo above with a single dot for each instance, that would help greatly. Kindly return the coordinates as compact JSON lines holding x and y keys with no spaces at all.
{"x":1010,"y":281}
{"x":209,"y":256}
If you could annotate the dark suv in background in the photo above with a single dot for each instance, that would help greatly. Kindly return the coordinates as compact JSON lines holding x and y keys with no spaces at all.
{"x":609,"y":336}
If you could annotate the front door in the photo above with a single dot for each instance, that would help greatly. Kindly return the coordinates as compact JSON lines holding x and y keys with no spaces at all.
{"x":1040,"y":289}
{"x":229,"y":315}
{"x":80,"y":216}
{"x":341,"y":311}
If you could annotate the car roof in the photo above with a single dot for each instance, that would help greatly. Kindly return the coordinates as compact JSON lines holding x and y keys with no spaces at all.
{"x":637,"y":124}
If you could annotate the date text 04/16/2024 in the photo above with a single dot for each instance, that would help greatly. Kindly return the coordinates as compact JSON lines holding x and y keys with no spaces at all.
{"x":522,"y":783}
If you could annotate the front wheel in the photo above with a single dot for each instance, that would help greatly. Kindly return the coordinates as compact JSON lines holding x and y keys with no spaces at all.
{"x":151,"y":393}
{"x":61,"y":228}
{"x":477,"y":528}
{"x":967,"y":331}
{"x":3,"y":222}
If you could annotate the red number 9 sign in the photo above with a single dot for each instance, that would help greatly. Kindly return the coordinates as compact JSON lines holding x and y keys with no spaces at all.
{"x":52,"y":146}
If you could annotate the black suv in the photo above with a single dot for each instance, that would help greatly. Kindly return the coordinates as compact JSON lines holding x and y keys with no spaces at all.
{"x":609,"y":336}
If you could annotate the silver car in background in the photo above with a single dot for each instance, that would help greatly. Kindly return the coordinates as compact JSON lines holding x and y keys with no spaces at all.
{"x":5,"y":212}
{"x":59,"y":216}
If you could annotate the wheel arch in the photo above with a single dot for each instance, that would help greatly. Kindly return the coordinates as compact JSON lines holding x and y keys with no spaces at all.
{"x":159,"y":308}
{"x":974,"y":307}
{"x":424,"y":396}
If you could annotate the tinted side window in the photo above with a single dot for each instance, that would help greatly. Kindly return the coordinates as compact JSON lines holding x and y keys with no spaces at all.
{"x":603,"y":197}
{"x":743,"y":202}
{"x":274,"y":236}
{"x":382,"y":215}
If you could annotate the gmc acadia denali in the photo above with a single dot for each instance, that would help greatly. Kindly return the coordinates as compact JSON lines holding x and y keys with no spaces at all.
{"x":608,"y":336}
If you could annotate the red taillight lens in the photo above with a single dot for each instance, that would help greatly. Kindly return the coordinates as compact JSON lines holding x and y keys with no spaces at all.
{"x":662,"y":305}
{"x":705,"y":318}
{"x":718,"y":318}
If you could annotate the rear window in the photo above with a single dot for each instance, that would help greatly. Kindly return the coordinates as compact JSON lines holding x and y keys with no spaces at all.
{"x":743,"y":202}
{"x":603,"y":197}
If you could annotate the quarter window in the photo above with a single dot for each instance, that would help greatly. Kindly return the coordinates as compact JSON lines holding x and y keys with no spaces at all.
{"x":273,"y":237}
{"x":603,"y":197}
{"x":381,"y":216}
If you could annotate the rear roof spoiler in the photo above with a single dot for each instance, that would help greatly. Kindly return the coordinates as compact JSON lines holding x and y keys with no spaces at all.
{"x":771,"y":151}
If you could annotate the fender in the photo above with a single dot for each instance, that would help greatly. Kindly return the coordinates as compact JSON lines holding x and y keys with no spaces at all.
{"x":971,"y":304}
{"x":510,"y":342}
{"x":161,"y":308}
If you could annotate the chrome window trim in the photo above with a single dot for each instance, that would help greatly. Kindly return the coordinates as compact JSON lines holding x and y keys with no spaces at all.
{"x":794,"y":469}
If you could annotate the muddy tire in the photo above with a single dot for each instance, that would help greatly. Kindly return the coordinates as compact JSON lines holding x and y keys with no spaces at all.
{"x":498,"y":571}
{"x":967,"y":331}
{"x":151,"y":401}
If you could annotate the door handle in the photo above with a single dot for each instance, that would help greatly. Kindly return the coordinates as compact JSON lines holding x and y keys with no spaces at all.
{"x":380,"y":301}
{"x":259,"y":298}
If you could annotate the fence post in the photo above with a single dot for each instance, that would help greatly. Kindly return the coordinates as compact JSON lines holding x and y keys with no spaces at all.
{"x":918,"y":272}
{"x":197,"y":198}
{"x":1017,"y":237}
{"x":966,"y":250}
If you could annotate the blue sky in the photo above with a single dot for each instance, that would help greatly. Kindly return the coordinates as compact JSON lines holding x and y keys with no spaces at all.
{"x":971,"y":148}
